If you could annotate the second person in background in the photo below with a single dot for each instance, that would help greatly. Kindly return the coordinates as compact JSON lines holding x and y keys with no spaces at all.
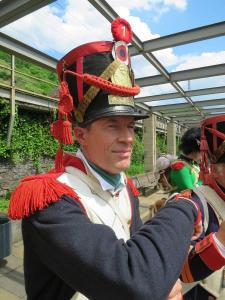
{"x":184,"y":171}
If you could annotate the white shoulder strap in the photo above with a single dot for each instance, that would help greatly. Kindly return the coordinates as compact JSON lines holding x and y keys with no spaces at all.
{"x":202,"y":197}
{"x":214,"y":200}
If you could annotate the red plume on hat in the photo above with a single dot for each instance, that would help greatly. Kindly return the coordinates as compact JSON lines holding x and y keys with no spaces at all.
{"x":121,"y":30}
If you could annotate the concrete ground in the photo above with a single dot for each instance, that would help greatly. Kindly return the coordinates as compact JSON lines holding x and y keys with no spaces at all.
{"x":11,"y":275}
{"x":11,"y":268}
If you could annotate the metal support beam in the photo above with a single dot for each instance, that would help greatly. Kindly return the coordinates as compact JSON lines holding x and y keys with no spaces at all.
{"x":181,"y":38}
{"x":184,"y":118}
{"x":186,"y":107}
{"x":12,"y":102}
{"x":11,"y":10}
{"x":179,"y":113}
{"x":199,"y":92}
{"x":204,"y":72}
{"x":20,"y":49}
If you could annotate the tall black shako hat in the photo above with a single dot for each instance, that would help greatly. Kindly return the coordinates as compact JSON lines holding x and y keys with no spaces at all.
{"x":212,"y":149}
{"x":96,"y":80}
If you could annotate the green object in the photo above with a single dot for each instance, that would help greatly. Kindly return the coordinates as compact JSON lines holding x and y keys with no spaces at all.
{"x":186,"y":177}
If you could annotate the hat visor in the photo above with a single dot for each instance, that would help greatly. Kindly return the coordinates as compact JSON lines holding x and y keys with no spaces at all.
{"x":122,"y":110}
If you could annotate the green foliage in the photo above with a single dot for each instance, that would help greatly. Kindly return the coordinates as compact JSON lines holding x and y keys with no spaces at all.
{"x":4,"y":204}
{"x":135,"y":169}
{"x":23,"y":81}
{"x":31,"y":138}
{"x":161,"y":144}
{"x":138,"y":151}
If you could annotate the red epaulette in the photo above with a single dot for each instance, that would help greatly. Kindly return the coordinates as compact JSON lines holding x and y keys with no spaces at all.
{"x":134,"y":190}
{"x":36,"y":192}
{"x":177,"y":165}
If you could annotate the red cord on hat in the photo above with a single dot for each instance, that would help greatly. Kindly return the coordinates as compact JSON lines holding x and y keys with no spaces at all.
{"x":114,"y":89}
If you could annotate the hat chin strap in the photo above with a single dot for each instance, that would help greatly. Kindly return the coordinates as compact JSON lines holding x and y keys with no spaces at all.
{"x":213,"y":184}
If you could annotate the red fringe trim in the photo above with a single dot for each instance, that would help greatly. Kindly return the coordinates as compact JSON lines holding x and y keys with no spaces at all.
{"x":36,"y":192}
{"x":134,"y":190}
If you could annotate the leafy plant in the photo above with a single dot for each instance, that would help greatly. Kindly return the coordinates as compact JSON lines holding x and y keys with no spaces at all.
{"x":4,"y":204}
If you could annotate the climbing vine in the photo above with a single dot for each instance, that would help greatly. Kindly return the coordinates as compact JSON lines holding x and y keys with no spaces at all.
{"x":31,"y":138}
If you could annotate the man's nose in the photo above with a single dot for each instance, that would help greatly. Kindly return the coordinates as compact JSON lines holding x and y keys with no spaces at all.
{"x":126,"y":135}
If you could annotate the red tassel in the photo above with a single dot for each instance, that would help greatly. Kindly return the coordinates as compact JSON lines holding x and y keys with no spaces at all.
{"x":56,"y":129}
{"x":66,"y":100}
{"x":66,"y":134}
{"x":62,"y":131}
{"x":134,"y":190}
{"x":35,"y":193}
{"x":59,"y":161}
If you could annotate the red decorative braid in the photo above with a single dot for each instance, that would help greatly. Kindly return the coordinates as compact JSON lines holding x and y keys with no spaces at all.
{"x":112,"y":88}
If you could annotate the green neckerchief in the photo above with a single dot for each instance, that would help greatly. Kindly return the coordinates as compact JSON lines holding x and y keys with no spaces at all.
{"x":114,"y":180}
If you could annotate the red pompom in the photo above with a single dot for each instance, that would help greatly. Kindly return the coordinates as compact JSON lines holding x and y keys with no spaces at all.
{"x":177,"y":165}
{"x":121,"y":30}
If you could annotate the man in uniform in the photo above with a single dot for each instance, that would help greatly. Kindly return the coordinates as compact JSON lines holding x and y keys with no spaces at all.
{"x":82,"y":233}
{"x":211,"y":199}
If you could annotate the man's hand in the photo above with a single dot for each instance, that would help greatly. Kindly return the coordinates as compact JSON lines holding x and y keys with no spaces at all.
{"x":176,"y":292}
{"x":198,"y":228}
{"x":221,"y":233}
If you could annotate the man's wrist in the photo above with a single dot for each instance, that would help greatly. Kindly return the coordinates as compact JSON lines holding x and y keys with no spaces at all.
{"x":198,"y":218}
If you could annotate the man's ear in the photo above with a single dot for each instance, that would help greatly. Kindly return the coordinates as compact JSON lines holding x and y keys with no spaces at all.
{"x":81,"y":135}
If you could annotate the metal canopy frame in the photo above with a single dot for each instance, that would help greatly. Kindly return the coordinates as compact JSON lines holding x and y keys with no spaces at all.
{"x":191,"y":111}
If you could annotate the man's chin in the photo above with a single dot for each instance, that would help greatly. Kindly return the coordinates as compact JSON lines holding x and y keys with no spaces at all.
{"x":122,"y":166}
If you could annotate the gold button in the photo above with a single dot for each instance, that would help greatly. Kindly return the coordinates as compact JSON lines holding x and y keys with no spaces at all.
{"x":129,"y":222}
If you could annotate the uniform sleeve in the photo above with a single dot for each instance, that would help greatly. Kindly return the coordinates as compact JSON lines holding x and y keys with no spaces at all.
{"x":205,"y":256}
{"x":90,"y":259}
{"x":181,"y":178}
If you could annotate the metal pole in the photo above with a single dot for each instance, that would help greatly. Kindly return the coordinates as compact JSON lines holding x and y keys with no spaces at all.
{"x":12,"y":102}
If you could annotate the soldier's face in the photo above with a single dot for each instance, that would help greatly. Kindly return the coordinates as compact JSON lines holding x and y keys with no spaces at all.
{"x":218,"y":173}
{"x":108,"y":142}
